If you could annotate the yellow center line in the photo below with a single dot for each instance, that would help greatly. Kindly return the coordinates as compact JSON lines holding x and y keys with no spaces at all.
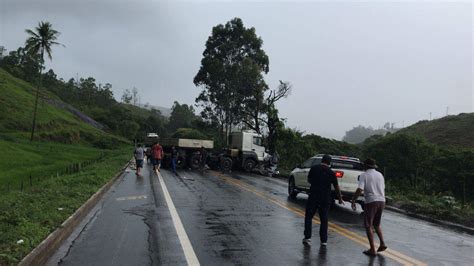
{"x":395,"y":255}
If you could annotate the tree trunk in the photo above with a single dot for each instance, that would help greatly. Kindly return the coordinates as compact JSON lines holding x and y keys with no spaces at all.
{"x":36,"y":102}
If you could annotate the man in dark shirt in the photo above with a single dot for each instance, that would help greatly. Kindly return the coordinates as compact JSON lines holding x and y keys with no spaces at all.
{"x":321,"y":177}
{"x":174,"y":159}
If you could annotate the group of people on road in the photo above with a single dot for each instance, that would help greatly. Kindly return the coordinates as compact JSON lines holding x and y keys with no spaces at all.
{"x":153,"y":154}
{"x":371,"y":183}
{"x":321,"y":178}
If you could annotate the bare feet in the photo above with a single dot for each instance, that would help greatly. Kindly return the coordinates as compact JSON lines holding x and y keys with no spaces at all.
{"x":382,"y":248}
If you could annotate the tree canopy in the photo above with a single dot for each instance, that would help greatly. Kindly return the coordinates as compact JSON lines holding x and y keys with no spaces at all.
{"x":182,"y":116}
{"x":231,"y":74}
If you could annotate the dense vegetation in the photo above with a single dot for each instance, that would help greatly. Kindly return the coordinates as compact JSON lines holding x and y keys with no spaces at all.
{"x":92,"y":99}
{"x":450,"y":131}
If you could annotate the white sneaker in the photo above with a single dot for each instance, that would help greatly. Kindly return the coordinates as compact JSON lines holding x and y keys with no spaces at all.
{"x":324,"y":244}
{"x":307,"y":241}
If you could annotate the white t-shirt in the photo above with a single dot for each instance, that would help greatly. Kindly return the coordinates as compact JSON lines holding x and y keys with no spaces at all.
{"x":373,"y":184}
{"x":139,"y":153}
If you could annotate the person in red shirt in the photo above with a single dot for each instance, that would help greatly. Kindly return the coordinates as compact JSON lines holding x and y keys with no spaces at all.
{"x":157,"y":154}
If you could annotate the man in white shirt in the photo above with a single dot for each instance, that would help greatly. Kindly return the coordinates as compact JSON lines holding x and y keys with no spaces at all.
{"x":139,"y":156}
{"x":372,"y":183}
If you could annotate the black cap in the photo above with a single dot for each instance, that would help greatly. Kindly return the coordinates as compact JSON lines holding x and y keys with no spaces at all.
{"x":326,"y":159}
{"x":370,"y":163}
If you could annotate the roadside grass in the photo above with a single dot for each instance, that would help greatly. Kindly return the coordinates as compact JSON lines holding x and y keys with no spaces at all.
{"x":32,"y":214}
{"x":440,"y":207}
{"x":21,"y":159}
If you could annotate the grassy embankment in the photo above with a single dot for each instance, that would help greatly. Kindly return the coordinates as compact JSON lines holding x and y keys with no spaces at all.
{"x":434,"y":206}
{"x":32,"y":214}
{"x":56,"y":188}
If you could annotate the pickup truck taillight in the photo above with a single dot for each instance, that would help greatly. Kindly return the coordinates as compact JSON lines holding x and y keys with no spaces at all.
{"x":339,"y":174}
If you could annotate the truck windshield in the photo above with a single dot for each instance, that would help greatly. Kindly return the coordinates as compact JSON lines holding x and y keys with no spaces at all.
{"x":340,"y":164}
{"x":257,"y":141}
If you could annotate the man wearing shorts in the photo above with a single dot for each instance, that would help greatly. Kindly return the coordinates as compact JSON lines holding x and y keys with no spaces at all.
{"x":372,"y":183}
{"x":139,"y":156}
{"x":157,"y":153}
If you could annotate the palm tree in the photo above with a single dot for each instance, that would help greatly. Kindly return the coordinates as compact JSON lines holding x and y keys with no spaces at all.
{"x":40,"y":41}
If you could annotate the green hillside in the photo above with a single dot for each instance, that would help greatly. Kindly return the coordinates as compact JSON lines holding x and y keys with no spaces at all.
{"x":16,"y":105}
{"x":57,"y":129}
{"x":453,"y":130}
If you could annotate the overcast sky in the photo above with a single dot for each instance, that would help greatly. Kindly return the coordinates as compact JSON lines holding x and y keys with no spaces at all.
{"x":349,"y":62}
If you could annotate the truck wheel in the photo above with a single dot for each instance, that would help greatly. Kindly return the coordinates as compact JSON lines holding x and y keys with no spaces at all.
{"x":226,"y":164}
{"x":249,"y":165}
{"x":195,"y":161}
{"x":180,"y":163}
{"x":292,"y":192}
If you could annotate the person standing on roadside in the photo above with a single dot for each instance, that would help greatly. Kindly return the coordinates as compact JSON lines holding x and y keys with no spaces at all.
{"x":157,"y":153}
{"x":174,"y":159}
{"x":149,"y":158}
{"x":139,"y":155}
{"x":203,"y":158}
{"x":372,"y":183}
{"x":321,"y":177}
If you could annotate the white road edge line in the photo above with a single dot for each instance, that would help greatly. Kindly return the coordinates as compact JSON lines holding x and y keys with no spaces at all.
{"x":188,"y":250}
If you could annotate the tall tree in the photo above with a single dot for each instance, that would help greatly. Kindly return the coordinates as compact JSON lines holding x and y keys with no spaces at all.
{"x":272,"y":120}
{"x":231,"y":73}
{"x":182,"y":116}
{"x":40,"y":41}
{"x":127,"y":96}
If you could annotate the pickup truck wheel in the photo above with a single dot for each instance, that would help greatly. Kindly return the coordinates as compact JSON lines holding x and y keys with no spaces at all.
{"x":249,"y":165}
{"x":292,"y":192}
{"x":226,"y":164}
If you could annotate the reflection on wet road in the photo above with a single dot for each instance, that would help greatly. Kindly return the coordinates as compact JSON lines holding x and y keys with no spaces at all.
{"x":246,"y":220}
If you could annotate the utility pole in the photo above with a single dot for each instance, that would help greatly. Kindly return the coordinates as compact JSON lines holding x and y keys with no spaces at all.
{"x":447,"y":110}
{"x":430,"y":116}
{"x":2,"y":50}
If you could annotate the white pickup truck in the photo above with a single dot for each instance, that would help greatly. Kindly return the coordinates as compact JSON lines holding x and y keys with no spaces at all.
{"x":347,"y":171}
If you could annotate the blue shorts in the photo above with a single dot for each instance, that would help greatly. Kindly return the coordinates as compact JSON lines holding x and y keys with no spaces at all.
{"x":156,"y":162}
{"x":139,"y":163}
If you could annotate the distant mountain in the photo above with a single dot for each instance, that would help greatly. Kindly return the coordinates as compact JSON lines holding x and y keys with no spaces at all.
{"x":360,"y":133}
{"x":166,"y":112}
{"x":452,"y":130}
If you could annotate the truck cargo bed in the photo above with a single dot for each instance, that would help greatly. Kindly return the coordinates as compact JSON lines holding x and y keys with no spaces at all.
{"x":187,"y":143}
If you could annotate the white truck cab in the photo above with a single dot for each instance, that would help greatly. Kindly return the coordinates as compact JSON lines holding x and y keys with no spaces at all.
{"x":249,"y":142}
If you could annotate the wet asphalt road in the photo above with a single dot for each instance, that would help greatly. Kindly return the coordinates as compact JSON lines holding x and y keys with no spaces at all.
{"x":241,"y":219}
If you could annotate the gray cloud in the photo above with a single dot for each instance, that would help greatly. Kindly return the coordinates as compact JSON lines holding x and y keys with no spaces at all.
{"x":350,"y":63}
